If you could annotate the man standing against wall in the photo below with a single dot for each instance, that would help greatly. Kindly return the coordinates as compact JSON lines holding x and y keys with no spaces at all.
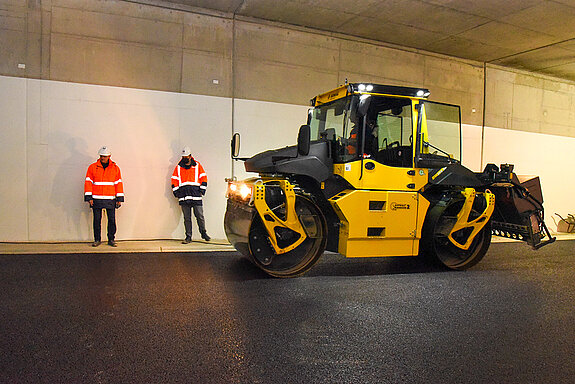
{"x":189,"y":183}
{"x":103,"y":189}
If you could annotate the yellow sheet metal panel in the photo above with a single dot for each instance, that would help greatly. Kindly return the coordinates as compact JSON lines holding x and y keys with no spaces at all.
{"x":422,"y":207}
{"x":376,"y":223}
{"x":378,"y":248}
{"x":382,"y":177}
{"x":335,"y":94}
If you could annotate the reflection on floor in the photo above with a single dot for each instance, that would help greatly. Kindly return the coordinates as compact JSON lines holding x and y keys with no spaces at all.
{"x":144,"y":246}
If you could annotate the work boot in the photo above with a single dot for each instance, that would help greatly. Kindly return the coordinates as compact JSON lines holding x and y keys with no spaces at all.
{"x":206,"y":237}
{"x":112,"y":243}
{"x":96,"y":243}
{"x":187,"y":240}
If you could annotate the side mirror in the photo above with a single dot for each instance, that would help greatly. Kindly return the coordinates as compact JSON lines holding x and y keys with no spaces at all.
{"x":235,"y":145}
{"x":363,"y":106}
{"x":303,"y":140}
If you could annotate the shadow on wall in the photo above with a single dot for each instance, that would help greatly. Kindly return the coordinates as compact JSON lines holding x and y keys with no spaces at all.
{"x":176,"y":212}
{"x":67,"y":196}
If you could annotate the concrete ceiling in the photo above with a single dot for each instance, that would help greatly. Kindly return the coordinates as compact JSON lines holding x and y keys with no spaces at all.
{"x":532,"y":35}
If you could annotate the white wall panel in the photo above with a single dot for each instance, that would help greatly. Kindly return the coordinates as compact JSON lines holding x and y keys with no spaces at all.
{"x":13,"y":185}
{"x":547,"y":156}
{"x":205,"y":126}
{"x":265,"y":125}
{"x":471,"y":147}
{"x":145,"y":130}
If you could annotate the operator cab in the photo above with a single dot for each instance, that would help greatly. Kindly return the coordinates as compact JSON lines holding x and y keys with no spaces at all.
{"x":381,"y":125}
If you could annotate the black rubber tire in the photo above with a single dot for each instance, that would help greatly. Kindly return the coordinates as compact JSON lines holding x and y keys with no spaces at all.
{"x":298,"y":260}
{"x":436,"y":246}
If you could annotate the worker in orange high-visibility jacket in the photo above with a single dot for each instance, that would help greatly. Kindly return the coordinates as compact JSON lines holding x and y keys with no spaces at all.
{"x":189,"y":184}
{"x":103,"y":189}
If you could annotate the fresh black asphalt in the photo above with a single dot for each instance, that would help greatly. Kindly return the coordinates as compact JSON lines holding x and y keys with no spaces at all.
{"x":214,"y":318}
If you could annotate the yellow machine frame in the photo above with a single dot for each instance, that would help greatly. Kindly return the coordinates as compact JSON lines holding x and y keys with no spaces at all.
{"x":463,"y":216}
{"x":271,"y":221}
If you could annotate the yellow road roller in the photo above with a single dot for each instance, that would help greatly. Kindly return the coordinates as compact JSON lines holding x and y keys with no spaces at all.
{"x":377,"y":172}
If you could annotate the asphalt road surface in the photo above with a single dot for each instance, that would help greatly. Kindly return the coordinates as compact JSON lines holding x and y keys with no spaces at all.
{"x":214,"y":318}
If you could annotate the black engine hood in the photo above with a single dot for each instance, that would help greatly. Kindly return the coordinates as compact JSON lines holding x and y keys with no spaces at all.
{"x":317,"y":164}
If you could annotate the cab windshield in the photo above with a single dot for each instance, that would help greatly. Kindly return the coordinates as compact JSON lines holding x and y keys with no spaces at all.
{"x":331,"y":122}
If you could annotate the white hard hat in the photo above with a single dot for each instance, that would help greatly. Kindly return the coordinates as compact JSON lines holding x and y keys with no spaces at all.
{"x":104,"y":151}
{"x":186,"y":151}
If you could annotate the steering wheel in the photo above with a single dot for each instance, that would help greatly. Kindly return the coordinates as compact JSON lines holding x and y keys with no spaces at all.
{"x":393,"y":144}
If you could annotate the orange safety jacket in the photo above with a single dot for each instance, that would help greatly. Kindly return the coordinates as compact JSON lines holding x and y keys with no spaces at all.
{"x":103,"y":183}
{"x":353,"y":141}
{"x":189,"y":183}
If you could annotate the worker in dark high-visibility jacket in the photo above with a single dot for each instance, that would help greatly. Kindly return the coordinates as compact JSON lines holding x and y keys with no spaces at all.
{"x":103,"y":189}
{"x":189,"y":184}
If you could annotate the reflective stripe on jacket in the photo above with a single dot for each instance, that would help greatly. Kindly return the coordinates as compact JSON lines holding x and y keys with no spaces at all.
{"x":189,"y":183}
{"x":103,"y":183}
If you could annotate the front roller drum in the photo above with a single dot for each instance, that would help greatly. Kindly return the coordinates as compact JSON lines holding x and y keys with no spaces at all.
{"x":298,"y":260}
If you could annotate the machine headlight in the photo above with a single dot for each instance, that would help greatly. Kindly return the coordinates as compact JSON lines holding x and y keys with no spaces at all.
{"x":245,"y":192}
{"x":239,"y":190}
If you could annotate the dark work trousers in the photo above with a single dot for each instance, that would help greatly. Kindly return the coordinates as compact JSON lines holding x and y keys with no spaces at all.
{"x":199,"y":213}
{"x":111,"y":212}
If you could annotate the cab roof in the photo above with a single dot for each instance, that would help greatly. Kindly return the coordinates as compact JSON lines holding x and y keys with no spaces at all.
{"x":369,"y":88}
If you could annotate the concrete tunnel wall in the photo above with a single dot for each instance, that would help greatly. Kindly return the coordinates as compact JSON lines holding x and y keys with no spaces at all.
{"x":52,"y":130}
{"x":145,"y":81}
